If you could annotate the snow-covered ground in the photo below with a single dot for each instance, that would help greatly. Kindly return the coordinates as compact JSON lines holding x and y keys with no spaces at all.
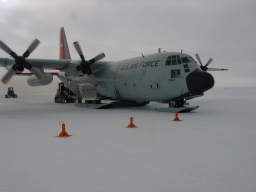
{"x":212,"y":149}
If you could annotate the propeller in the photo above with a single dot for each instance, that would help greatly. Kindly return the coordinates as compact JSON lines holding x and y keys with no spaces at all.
{"x":20,"y":61}
{"x":84,"y":66}
{"x":203,"y":67}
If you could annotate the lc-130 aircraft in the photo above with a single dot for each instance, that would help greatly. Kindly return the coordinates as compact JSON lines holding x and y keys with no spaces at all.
{"x":166,"y":77}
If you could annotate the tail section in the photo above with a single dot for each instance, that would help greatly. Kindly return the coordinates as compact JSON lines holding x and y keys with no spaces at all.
{"x":64,"y":50}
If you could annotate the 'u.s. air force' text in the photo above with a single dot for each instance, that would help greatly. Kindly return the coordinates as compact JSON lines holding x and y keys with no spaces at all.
{"x":154,"y":63}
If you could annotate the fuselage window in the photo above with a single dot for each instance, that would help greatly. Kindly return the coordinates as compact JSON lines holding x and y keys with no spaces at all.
{"x":173,"y":60}
{"x":154,"y":86}
{"x":175,"y":73}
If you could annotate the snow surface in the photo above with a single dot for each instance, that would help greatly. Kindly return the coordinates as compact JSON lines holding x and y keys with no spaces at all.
{"x":212,"y":149}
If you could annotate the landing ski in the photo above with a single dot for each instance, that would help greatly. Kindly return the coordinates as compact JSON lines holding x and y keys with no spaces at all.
{"x":184,"y":109}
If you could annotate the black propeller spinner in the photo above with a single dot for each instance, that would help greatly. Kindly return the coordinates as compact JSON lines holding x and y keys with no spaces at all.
{"x":85,"y":65}
{"x":203,"y":67}
{"x":20,"y":61}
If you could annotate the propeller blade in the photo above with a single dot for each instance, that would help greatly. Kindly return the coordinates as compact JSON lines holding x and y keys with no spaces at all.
{"x":97,"y":58}
{"x":208,"y":62}
{"x":79,"y":50}
{"x":38,"y":73}
{"x":31,"y":48}
{"x":85,"y":65}
{"x":7,"y":49}
{"x":6,"y":78}
{"x":217,"y":69}
{"x":198,"y":59}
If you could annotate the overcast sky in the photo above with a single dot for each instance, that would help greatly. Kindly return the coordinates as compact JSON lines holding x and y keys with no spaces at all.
{"x":222,"y":29}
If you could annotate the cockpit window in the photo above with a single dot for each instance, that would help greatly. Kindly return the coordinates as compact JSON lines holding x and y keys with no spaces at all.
{"x":173,"y":60}
{"x":187,"y":59}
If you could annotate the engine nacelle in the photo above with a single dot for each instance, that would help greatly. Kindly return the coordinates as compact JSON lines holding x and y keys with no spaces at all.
{"x":34,"y":81}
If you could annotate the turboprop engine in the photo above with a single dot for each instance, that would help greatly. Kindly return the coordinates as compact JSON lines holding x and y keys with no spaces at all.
{"x":34,"y":81}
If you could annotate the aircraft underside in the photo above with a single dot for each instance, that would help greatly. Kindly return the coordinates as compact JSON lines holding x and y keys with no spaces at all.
{"x":97,"y":101}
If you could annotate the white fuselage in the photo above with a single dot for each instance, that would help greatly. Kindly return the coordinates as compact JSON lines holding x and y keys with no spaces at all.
{"x":158,"y":77}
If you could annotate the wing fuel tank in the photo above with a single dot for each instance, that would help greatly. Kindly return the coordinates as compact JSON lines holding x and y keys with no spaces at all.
{"x":34,"y":81}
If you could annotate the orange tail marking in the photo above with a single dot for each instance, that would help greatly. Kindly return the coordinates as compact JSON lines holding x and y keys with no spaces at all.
{"x":64,"y":50}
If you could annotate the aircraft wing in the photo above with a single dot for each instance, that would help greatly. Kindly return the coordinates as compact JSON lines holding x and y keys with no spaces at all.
{"x":5,"y":62}
{"x":40,"y":63}
{"x":36,"y":66}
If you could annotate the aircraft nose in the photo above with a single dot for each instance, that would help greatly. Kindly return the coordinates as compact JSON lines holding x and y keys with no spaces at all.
{"x":199,"y":81}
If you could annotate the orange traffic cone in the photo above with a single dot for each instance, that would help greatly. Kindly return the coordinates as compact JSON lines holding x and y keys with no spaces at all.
{"x":177,"y":118}
{"x":63,"y":132}
{"x":131,"y":125}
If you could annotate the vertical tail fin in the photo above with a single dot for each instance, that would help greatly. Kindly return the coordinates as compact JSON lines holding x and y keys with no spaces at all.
{"x":64,"y":50}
